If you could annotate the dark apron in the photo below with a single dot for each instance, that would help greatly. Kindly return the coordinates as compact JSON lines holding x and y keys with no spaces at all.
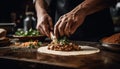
{"x":95,"y":26}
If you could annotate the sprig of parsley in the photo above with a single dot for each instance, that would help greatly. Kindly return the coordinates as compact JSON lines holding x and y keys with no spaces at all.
{"x":63,"y":41}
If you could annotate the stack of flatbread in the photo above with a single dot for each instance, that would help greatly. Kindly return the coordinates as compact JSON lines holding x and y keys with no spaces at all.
{"x":3,"y":39}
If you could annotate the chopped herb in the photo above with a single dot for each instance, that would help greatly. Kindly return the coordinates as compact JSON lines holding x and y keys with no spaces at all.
{"x":30,"y":32}
{"x":63,"y":41}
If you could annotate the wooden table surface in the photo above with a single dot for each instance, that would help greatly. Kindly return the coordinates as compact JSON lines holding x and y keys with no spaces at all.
{"x":30,"y":58}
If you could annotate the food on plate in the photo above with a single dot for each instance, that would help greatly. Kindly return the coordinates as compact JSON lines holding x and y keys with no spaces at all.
{"x":113,"y":39}
{"x":2,"y":32}
{"x":30,"y":32}
{"x":29,"y":44}
{"x":63,"y":45}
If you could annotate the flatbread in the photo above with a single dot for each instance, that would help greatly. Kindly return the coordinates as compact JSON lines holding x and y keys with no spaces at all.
{"x":85,"y":50}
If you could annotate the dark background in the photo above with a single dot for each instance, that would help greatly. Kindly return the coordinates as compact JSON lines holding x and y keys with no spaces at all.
{"x":13,"y":9}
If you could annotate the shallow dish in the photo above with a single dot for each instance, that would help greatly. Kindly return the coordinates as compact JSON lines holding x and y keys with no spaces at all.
{"x":110,"y":46}
{"x":28,"y":38}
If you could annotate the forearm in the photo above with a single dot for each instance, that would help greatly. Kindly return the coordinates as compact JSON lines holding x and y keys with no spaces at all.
{"x":91,"y":6}
{"x":41,"y":7}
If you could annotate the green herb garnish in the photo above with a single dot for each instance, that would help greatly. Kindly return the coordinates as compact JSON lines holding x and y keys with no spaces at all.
{"x":30,"y":32}
{"x":63,"y":41}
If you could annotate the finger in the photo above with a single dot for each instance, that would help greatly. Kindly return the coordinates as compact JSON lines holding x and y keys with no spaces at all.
{"x":40,"y":28}
{"x":46,"y":30}
{"x":37,"y":26}
{"x":41,"y":31}
{"x":50,"y":23}
{"x":56,"y":32}
{"x":67,"y":28}
{"x":61,"y":28}
{"x":73,"y":28}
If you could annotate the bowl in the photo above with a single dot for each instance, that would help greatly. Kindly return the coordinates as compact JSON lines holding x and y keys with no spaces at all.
{"x":4,"y":41}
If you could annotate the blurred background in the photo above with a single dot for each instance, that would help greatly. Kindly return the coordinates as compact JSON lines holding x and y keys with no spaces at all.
{"x":12,"y":12}
{"x":115,"y":13}
{"x":14,"y":9}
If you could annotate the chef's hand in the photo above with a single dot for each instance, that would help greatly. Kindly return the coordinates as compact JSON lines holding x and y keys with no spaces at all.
{"x":68,"y":23}
{"x":44,"y":24}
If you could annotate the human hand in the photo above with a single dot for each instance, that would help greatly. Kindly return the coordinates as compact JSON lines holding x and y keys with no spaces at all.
{"x":68,"y":24}
{"x":44,"y":24}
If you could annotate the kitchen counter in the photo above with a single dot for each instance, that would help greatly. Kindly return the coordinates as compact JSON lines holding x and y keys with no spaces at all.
{"x":31,"y":59}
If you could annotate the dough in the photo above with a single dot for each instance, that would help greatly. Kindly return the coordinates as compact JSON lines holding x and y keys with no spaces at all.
{"x":84,"y":51}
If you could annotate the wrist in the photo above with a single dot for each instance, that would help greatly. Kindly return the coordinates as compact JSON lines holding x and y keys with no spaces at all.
{"x":42,"y":16}
{"x":40,"y":8}
{"x":41,"y":13}
{"x":80,"y":10}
